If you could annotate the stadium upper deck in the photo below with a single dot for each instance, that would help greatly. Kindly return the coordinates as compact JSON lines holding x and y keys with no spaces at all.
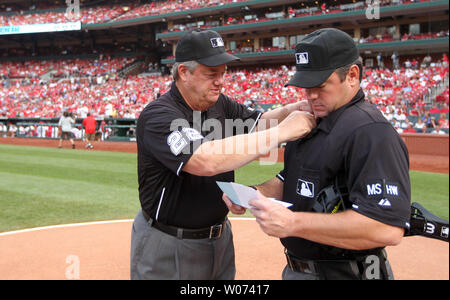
{"x":258,"y":31}
{"x":230,"y":12}
{"x":42,"y":74}
{"x":108,"y":13}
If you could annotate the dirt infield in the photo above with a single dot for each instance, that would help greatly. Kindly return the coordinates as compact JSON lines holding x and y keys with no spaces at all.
{"x":101,"y":250}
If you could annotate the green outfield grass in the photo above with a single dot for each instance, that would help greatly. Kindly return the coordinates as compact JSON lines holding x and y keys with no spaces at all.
{"x":47,"y":186}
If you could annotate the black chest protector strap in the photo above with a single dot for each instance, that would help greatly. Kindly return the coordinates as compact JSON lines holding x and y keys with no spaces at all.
{"x":332,"y":198}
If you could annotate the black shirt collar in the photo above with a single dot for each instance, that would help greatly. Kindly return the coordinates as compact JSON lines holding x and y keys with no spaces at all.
{"x":187,"y":110}
{"x":175,"y":93}
{"x":327,"y":123}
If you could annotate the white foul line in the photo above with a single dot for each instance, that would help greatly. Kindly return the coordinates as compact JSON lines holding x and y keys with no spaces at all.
{"x":63,"y":226}
{"x":87,"y":224}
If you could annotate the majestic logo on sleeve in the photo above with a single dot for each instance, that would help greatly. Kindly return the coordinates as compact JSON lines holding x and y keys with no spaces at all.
{"x":382,"y":191}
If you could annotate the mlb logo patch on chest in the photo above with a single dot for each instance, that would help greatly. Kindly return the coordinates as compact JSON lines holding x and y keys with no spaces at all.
{"x":305,"y":188}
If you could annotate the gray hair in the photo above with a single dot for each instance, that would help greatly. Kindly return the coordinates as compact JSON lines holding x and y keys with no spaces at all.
{"x":191,"y":65}
{"x":343,"y":71}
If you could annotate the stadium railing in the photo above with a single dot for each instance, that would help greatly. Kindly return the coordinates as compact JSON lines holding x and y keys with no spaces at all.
{"x":109,"y":129}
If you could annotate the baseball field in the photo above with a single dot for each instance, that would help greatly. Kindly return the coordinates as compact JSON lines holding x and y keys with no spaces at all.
{"x":44,"y":186}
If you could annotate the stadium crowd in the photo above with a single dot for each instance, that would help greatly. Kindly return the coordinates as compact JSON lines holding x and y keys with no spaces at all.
{"x":398,"y":93}
{"x":103,"y":14}
{"x":63,"y":68}
{"x":130,"y":10}
{"x":165,"y":7}
{"x":99,"y":14}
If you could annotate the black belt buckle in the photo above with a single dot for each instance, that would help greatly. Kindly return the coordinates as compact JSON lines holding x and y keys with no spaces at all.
{"x":297,"y":265}
{"x":215,"y":231}
{"x":307,"y":267}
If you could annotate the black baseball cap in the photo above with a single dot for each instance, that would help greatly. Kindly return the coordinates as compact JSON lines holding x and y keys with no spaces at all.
{"x":204,"y":46}
{"x":319,"y":54}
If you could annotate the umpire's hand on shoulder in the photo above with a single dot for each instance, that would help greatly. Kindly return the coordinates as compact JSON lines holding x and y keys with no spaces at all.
{"x":295,"y":126}
{"x":302,"y":105}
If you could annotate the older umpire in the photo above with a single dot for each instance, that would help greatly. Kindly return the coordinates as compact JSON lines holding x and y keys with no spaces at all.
{"x":182,"y":231}
{"x":348,"y":178}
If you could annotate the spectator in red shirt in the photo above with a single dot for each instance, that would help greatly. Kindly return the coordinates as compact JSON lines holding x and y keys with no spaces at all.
{"x":409,"y":129}
{"x":90,"y":125}
{"x":445,"y":60}
{"x":443,"y":121}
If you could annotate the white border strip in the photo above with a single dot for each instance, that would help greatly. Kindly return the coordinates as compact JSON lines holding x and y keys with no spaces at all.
{"x":89,"y":223}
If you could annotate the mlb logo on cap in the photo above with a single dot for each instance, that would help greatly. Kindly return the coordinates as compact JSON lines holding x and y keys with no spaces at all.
{"x":302,"y":58}
{"x":217,"y":42}
{"x":203,"y":46}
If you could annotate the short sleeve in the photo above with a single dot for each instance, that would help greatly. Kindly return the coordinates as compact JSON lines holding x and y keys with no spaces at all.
{"x":169,"y":138}
{"x":377,"y":165}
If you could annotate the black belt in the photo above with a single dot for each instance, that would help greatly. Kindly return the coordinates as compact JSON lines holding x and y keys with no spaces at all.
{"x":302,"y":266}
{"x":348,"y":268}
{"x":212,"y":232}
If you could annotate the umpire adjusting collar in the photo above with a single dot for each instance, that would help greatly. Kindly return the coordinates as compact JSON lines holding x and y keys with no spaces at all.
{"x":204,"y":46}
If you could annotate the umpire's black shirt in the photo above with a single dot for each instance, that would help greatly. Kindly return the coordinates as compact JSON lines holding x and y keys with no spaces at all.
{"x":359,"y":143}
{"x":166,"y":139}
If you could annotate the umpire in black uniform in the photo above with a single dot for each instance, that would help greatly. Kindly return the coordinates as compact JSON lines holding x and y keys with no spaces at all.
{"x":184,"y":146}
{"x":348,"y":179}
